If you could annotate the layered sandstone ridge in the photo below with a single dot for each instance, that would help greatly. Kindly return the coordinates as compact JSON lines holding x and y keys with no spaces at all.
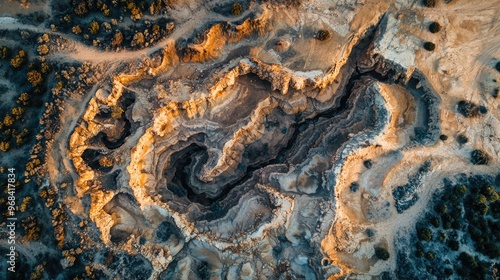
{"x":255,"y":148}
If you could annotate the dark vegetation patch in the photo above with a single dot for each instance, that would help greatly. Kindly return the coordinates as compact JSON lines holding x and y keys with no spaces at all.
{"x":406,"y":196}
{"x":468,"y":109}
{"x":323,"y":35}
{"x":231,"y":8}
{"x":429,"y":46}
{"x":429,"y":3}
{"x":381,"y":253}
{"x":126,"y":266}
{"x":460,"y":233}
{"x":166,"y":230}
{"x":434,"y":27}
{"x":354,"y":187}
{"x":479,"y":157}
{"x":113,"y":24}
{"x":483,"y":110}
{"x":462,"y":139}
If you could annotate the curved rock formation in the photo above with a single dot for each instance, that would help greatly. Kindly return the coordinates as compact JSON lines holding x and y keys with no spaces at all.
{"x":258,"y":151}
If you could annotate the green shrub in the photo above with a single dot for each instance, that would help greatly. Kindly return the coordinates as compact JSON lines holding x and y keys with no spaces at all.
{"x":429,"y":46}
{"x":467,"y":109}
{"x":43,"y":49}
{"x":117,"y":39}
{"x":94,"y":27}
{"x":429,"y":3}
{"x":424,"y":234}
{"x":448,"y":271}
{"x":430,"y":255}
{"x":441,"y":208}
{"x":236,"y":9}
{"x":4,"y":52}
{"x":434,"y":221}
{"x":482,"y":208}
{"x":18,"y":60}
{"x":4,"y":146}
{"x":490,"y":193}
{"x":460,"y":189}
{"x":381,"y":253}
{"x":434,"y":27}
{"x":478,"y":157}
{"x":35,"y":78}
{"x":462,"y":139}
{"x":323,"y":35}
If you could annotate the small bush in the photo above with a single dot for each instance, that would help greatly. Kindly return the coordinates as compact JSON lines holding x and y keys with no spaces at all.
{"x":43,"y":49}
{"x":370,"y":232}
{"x":490,"y":193}
{"x":460,"y":189}
{"x":381,"y":253}
{"x":35,"y":78}
{"x":117,"y":39}
{"x":478,"y":199}
{"x":448,"y":271}
{"x":94,"y":27}
{"x":434,"y":221}
{"x":76,"y":29}
{"x":456,"y":224}
{"x":18,"y":60}
{"x":4,"y":52}
{"x":482,"y":208}
{"x":424,"y":234}
{"x":138,"y":39}
{"x":429,"y":3}
{"x":8,"y":120}
{"x":429,"y":46}
{"x":354,"y":187}
{"x":17,"y":112}
{"x":454,"y":245}
{"x":80,"y":8}
{"x":441,"y":208}
{"x":434,"y":27}
{"x":236,"y":9}
{"x":462,"y":139}
{"x":479,"y":157}
{"x":323,"y":35}
{"x":483,"y":110}
{"x":497,"y":66}
{"x":467,"y":109}
{"x":23,"y":99}
{"x":4,"y":146}
{"x":443,"y":137}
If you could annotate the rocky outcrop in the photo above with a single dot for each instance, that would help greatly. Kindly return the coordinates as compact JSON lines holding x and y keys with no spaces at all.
{"x":238,"y":155}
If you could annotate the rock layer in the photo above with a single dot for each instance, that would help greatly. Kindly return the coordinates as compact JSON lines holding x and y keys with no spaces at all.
{"x":235,"y":156}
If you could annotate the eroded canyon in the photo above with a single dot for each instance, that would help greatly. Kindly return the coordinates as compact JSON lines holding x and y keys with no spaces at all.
{"x":265,"y":140}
